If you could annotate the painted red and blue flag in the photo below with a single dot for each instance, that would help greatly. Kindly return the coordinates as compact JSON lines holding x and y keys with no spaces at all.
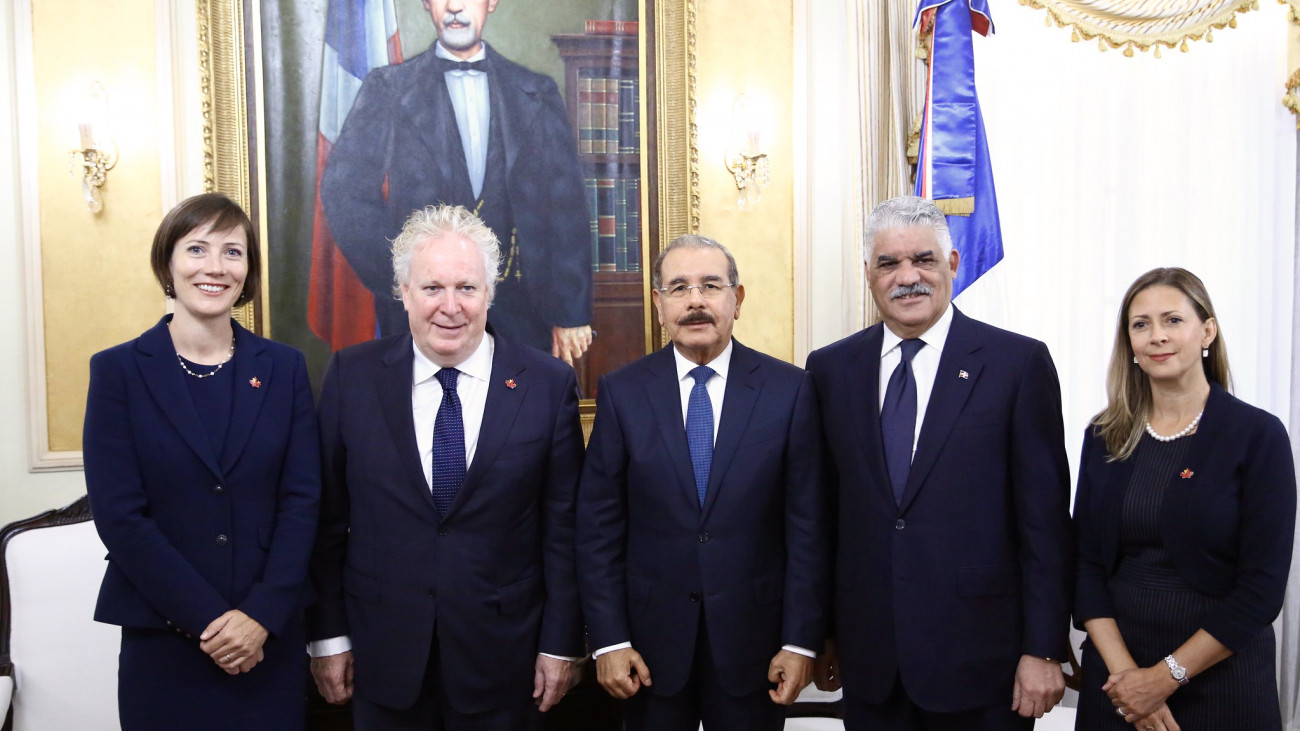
{"x":360,"y":35}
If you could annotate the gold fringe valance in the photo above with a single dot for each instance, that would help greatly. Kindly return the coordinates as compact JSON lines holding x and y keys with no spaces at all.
{"x":1292,"y":99}
{"x":1146,"y":24}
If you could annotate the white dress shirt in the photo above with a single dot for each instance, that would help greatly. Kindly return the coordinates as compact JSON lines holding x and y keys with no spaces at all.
{"x":925,"y":365}
{"x":426,"y":397}
{"x":469,"y":99}
{"x":717,"y":387}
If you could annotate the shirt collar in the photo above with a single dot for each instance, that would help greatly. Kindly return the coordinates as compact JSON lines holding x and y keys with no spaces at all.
{"x":935,"y":337}
{"x":441,"y":52}
{"x":477,"y":365}
{"x":720,"y":365}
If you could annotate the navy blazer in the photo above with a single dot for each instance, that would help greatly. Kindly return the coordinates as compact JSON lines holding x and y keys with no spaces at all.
{"x":754,"y":560}
{"x":1227,"y":520}
{"x":191,"y":533}
{"x":494,"y":578}
{"x":379,"y":172}
{"x":974,"y":568}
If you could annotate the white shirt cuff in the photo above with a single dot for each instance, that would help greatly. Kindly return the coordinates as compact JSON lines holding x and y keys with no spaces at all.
{"x":800,"y":651}
{"x":557,"y":657}
{"x":332,"y":646}
{"x":611,"y":648}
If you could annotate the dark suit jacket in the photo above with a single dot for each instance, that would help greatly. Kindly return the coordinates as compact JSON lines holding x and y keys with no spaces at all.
{"x":494,"y":578}
{"x":191,"y":533}
{"x":1227,"y":525}
{"x":400,"y":138}
{"x":974,"y":569}
{"x":754,"y":560}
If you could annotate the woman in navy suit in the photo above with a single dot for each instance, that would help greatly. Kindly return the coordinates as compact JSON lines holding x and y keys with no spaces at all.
{"x":1184,"y":519}
{"x":202,"y":465}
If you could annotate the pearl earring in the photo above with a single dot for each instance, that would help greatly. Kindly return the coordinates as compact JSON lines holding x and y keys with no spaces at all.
{"x":1135,"y":360}
{"x":1205,"y":352}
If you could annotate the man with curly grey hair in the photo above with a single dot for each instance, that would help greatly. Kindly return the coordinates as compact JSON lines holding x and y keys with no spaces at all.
{"x":444,"y":564}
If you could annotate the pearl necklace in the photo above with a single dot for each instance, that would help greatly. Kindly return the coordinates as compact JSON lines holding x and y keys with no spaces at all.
{"x":216,"y":370}
{"x":1186,"y":430}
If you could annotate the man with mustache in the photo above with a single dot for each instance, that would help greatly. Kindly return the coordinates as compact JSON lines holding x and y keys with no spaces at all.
{"x":702,"y":527}
{"x":462,"y":125}
{"x":953,"y":555}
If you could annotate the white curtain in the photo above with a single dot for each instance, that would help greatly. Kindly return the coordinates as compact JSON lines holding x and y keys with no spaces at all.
{"x":1288,"y":637}
{"x":1108,"y":166}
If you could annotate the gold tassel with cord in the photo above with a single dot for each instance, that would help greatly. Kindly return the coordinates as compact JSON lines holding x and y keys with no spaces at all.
{"x":956,"y":206}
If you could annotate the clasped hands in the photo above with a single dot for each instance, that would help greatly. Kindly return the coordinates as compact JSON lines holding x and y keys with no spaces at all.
{"x":234,"y":642}
{"x":622,"y":673}
{"x":1140,"y":694}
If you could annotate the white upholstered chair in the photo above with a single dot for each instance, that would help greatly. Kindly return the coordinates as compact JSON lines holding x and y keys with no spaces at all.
{"x":57,"y":665}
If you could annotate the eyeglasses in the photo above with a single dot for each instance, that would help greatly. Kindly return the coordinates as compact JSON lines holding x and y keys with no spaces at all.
{"x":708,"y":290}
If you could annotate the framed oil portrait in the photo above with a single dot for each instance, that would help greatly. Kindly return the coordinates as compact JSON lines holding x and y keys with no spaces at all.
{"x":286,"y":137}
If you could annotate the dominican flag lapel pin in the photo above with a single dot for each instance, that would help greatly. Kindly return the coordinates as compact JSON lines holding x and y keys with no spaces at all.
{"x":1186,"y":474}
{"x":510,"y":383}
{"x":963,"y":375}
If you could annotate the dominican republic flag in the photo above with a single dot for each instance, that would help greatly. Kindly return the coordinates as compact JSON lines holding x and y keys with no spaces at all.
{"x":953,"y":168}
{"x":359,"y":36}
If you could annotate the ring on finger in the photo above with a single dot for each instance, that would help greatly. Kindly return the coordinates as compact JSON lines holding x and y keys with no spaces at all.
{"x":1120,"y":711}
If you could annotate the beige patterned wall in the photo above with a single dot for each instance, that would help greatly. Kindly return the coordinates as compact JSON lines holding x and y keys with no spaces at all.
{"x":95,"y":281}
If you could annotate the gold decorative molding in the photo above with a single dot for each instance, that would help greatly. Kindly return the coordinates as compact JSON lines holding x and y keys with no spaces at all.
{"x":1143,"y":26}
{"x":1294,"y":15}
{"x":677,"y":145}
{"x":1292,"y":99}
{"x":225,"y":110}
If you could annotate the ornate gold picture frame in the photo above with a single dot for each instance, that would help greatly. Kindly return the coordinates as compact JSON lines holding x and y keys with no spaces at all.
{"x":230,"y":52}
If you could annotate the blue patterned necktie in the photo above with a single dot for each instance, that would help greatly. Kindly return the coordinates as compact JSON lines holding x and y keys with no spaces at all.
{"x":448,"y":444}
{"x":699,"y":429}
{"x":898,"y":418}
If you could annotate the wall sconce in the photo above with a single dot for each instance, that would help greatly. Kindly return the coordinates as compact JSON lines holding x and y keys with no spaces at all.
{"x":98,"y":153}
{"x":745,"y":158}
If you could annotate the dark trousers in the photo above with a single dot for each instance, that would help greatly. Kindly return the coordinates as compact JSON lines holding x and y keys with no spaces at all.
{"x":432,"y":712}
{"x":900,"y":713}
{"x":702,"y":699}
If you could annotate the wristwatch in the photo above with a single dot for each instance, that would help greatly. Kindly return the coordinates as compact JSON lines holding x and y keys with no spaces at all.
{"x":1176,"y":671}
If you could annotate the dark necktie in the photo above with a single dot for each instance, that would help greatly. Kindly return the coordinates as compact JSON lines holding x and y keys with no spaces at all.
{"x":699,"y":429}
{"x":898,"y":418}
{"x":447,"y":64}
{"x":448,"y":444}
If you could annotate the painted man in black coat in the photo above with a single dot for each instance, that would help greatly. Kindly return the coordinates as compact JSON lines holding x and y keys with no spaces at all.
{"x":459,"y":124}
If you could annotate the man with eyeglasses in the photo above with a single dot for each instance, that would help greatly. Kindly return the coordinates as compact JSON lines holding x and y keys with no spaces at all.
{"x":703,"y":550}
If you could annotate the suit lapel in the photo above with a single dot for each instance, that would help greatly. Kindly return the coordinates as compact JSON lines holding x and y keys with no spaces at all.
{"x":253,"y":363}
{"x":860,"y":386}
{"x":499,"y":412}
{"x":663,"y":393}
{"x":428,"y":108}
{"x":947,"y":399}
{"x":519,"y":105}
{"x":162,"y":375}
{"x":394,"y":387}
{"x":738,"y":401}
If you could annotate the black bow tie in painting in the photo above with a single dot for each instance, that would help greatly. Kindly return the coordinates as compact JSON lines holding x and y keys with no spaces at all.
{"x":447,"y":64}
